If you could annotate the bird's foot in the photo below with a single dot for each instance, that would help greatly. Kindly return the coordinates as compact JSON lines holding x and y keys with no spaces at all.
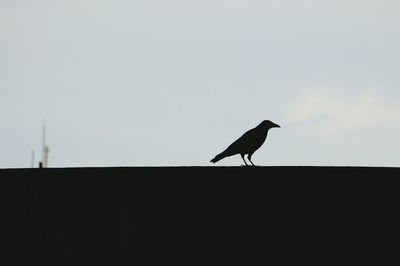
{"x":245,"y":165}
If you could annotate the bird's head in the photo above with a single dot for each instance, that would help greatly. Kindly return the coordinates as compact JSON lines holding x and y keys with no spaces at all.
{"x":266,"y":124}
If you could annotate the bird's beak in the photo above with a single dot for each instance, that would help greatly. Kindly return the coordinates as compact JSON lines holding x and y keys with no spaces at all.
{"x":276,"y":125}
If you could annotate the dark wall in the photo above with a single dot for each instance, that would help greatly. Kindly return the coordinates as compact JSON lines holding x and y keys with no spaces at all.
{"x":200,"y":216}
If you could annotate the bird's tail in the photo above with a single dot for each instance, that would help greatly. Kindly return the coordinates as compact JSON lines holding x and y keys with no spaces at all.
{"x":218,"y":157}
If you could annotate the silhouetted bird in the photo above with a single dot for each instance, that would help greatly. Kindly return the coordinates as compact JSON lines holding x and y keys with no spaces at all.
{"x":248,"y":143}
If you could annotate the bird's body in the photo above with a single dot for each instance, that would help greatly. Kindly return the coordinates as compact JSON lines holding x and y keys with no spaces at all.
{"x":248,"y":143}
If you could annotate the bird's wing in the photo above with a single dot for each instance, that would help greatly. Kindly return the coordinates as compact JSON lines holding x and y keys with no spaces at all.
{"x":242,"y":144}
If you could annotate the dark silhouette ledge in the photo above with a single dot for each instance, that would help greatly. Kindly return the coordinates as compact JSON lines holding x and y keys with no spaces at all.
{"x":201,"y":216}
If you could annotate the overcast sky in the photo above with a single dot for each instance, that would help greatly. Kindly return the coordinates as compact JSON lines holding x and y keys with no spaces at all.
{"x":155,"y":82}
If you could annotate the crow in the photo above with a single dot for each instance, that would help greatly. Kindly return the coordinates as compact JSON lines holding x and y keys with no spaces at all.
{"x":248,"y":143}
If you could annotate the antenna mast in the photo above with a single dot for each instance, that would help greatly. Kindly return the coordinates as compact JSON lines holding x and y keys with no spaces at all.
{"x":45,"y":149}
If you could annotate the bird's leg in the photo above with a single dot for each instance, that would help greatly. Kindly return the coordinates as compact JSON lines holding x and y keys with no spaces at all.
{"x":249,"y":157}
{"x":244,"y":159}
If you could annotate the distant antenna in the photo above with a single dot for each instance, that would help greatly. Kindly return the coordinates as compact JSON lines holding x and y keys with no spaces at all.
{"x":45,"y":149}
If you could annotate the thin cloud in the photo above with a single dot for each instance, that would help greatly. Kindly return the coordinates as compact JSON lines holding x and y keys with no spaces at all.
{"x":330,"y":113}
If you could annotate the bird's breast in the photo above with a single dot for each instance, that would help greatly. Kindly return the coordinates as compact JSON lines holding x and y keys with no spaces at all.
{"x":257,"y":141}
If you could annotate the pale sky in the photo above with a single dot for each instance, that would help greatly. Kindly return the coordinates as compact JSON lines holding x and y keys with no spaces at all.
{"x":155,"y":82}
